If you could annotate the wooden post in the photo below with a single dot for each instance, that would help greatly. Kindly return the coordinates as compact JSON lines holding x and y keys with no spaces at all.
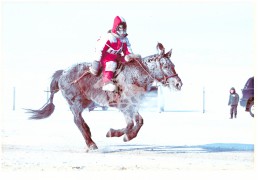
{"x":14,"y":94}
{"x":47,"y":93}
{"x":160,"y":99}
{"x":203,"y":100}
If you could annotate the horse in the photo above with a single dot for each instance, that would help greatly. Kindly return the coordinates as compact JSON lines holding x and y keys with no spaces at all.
{"x":133,"y":79}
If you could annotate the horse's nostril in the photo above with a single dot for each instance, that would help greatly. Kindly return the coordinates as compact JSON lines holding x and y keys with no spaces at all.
{"x":178,"y":85}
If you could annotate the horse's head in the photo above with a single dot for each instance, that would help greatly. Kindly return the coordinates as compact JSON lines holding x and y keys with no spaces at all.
{"x":162,"y":68}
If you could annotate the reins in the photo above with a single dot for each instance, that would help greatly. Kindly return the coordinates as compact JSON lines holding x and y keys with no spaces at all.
{"x":79,"y":78}
{"x":142,"y":66}
{"x":163,"y":81}
{"x":79,"y":85}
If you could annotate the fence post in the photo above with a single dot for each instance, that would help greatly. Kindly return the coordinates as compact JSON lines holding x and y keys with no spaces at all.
{"x":160,"y":99}
{"x":47,"y":93}
{"x":14,"y":98}
{"x":203,"y":100}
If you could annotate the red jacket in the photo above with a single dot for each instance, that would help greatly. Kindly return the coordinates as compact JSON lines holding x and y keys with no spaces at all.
{"x":112,"y":46}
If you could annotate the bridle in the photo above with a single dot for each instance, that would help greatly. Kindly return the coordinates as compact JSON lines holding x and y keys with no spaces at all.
{"x":164,"y":79}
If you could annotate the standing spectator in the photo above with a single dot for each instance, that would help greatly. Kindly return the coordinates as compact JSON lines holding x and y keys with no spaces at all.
{"x":233,"y":102}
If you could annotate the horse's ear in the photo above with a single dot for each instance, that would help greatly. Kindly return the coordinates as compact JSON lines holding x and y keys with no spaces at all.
{"x":168,"y":54}
{"x":160,"y":49}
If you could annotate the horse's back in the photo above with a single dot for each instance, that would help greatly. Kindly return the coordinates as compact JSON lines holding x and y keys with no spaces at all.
{"x":71,"y":74}
{"x":76,"y":70}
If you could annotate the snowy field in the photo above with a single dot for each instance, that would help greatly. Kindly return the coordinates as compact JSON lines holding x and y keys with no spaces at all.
{"x":213,"y":50}
{"x":167,"y":142}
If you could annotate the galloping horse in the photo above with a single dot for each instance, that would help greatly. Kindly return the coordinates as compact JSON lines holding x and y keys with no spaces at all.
{"x":80,"y":89}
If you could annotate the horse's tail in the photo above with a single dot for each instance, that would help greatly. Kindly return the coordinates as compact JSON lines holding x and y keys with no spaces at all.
{"x":49,"y":107}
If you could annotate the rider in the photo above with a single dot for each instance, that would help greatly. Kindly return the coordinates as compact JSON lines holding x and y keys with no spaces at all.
{"x":110,"y":49}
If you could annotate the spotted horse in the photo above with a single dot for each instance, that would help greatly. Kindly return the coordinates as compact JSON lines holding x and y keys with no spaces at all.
{"x":133,"y":79}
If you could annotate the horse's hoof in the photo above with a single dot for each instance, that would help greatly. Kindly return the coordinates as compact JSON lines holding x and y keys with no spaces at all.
{"x":109,"y":133}
{"x":129,"y":137}
{"x":126,"y":138}
{"x":93,"y":147}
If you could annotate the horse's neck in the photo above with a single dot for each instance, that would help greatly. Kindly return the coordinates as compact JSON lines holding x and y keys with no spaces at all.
{"x":151,"y":66}
{"x":138,"y":74}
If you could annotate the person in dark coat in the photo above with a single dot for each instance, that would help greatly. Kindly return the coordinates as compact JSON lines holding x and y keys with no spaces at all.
{"x":233,"y":102}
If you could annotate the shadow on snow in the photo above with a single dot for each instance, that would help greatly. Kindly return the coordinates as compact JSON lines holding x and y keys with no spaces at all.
{"x":206,"y":148}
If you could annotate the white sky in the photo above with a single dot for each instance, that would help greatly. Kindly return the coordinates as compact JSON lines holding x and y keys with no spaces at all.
{"x":212,"y":42}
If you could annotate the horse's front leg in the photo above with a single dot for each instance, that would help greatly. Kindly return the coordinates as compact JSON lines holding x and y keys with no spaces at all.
{"x":132,"y":133}
{"x":129,"y":108}
{"x":123,"y":107}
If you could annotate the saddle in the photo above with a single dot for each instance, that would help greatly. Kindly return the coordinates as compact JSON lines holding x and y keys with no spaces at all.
{"x":120,"y":67}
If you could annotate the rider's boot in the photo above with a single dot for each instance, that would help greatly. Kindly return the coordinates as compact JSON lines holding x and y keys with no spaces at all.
{"x":94,"y":69}
{"x":109,"y":86}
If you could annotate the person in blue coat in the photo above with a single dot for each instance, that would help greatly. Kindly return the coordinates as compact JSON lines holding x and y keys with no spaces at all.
{"x":233,"y":102}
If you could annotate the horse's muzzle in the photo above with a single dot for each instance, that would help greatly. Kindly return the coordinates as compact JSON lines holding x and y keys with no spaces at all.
{"x":175,"y":83}
{"x":178,"y":85}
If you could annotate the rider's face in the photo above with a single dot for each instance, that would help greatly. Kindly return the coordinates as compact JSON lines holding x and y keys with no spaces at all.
{"x":121,"y":31}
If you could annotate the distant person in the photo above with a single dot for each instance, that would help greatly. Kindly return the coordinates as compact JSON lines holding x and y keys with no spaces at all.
{"x":233,"y":102}
{"x":111,"y":48}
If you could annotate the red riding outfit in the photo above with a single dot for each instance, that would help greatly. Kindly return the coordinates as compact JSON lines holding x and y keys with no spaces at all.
{"x":112,"y":48}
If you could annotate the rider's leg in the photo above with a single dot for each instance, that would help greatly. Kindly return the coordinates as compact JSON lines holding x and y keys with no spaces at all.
{"x":109,"y":67}
{"x":94,"y":69}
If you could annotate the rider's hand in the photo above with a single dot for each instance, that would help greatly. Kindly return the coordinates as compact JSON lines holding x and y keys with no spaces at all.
{"x":131,"y":57}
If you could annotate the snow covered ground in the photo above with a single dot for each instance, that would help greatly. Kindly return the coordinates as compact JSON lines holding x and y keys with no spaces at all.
{"x":167,"y":142}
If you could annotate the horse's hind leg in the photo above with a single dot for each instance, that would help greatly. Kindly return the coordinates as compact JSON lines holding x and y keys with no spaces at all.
{"x":83,"y":127}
